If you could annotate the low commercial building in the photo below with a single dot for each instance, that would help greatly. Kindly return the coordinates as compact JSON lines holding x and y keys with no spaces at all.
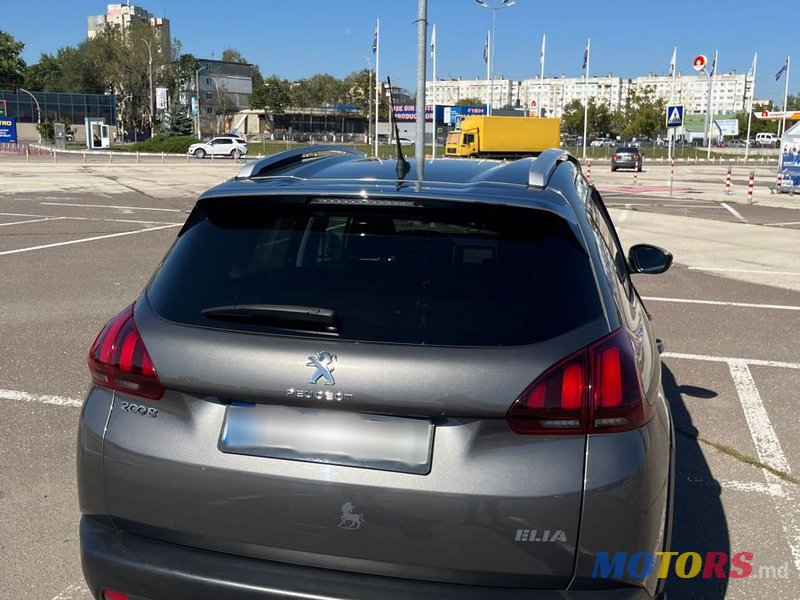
{"x":223,"y":89}
{"x":58,"y":107}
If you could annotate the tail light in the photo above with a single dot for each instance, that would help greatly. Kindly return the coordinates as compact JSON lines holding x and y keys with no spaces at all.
{"x":637,"y":157}
{"x":596,"y":390}
{"x":616,"y":157}
{"x":118,"y":359}
{"x":114,"y":595}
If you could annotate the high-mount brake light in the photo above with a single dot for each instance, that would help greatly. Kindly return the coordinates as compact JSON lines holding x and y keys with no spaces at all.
{"x":596,"y":390}
{"x":118,"y":359}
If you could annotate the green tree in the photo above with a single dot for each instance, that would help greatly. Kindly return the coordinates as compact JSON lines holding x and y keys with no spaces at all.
{"x":572,"y":117}
{"x":273,"y":96}
{"x":793,"y":102}
{"x":177,"y":120}
{"x":233,"y":55}
{"x":360,"y":90}
{"x":470,"y":102}
{"x":12,"y":67}
{"x":70,"y":69}
{"x":644,"y":113}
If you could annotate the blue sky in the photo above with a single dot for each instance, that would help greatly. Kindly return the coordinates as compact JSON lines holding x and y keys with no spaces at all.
{"x":297,"y":38}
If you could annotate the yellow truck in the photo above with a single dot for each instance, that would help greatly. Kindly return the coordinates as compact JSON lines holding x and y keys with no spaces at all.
{"x":503,"y":137}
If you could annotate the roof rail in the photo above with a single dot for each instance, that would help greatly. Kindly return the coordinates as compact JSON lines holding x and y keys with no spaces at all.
{"x":544,"y":165}
{"x":263,"y":166}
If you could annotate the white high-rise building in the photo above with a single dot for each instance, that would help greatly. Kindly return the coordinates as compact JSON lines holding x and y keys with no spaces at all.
{"x":123,"y":15}
{"x":553,"y":93}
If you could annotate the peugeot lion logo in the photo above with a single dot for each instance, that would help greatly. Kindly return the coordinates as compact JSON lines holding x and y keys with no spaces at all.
{"x":324,"y":363}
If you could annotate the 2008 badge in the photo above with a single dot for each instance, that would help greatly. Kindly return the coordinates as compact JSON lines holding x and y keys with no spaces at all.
{"x":139,"y":409}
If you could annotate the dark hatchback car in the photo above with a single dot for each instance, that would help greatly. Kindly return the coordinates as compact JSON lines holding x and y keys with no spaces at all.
{"x":627,"y":157}
{"x":343,"y":385}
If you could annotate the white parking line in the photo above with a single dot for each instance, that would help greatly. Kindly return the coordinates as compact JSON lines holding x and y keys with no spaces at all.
{"x":733,"y":211}
{"x":108,"y":206}
{"x":726,"y":270}
{"x":103,"y":219}
{"x":773,"y":490}
{"x":782,"y":224}
{"x":766,"y":441}
{"x":726,"y":359}
{"x":767,"y":445}
{"x":40,"y":398}
{"x":30,"y":221}
{"x":76,"y":590}
{"x":90,"y":239}
{"x":721,"y":303}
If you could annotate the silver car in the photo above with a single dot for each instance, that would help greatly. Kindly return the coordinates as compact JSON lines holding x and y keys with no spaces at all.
{"x":345,"y":383}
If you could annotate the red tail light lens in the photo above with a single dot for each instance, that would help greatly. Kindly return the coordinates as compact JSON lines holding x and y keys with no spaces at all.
{"x":113,"y":595}
{"x":119,"y":360}
{"x":598,"y":389}
{"x":616,"y":157}
{"x":637,"y":157}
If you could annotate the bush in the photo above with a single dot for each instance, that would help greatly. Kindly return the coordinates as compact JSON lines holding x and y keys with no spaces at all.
{"x":170,"y":144}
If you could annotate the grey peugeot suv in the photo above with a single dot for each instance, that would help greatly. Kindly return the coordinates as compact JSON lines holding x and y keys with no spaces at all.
{"x":345,"y":383}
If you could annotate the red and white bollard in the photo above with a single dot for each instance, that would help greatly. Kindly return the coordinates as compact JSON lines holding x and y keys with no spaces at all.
{"x":778,"y":183}
{"x":750,"y":187}
{"x":636,"y":172}
{"x":671,"y":174}
{"x":589,"y":169}
{"x":728,"y":182}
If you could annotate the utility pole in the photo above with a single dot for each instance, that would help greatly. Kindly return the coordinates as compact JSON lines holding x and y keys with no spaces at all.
{"x":152,"y":101}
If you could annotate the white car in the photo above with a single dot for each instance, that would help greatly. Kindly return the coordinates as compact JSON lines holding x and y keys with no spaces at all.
{"x":219,"y":146}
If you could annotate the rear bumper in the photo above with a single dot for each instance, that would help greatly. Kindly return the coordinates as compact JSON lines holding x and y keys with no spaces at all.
{"x":147,"y":569}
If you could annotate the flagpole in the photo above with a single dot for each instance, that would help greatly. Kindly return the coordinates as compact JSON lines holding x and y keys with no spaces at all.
{"x":541,"y":78}
{"x":671,"y":130}
{"x":750,"y":106}
{"x":378,"y":84}
{"x":488,"y":53}
{"x":586,"y":96}
{"x":433,"y":89}
{"x":709,"y":105}
{"x":785,"y":96}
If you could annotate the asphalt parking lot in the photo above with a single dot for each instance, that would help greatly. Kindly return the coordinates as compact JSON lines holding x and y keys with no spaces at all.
{"x":79,"y":241}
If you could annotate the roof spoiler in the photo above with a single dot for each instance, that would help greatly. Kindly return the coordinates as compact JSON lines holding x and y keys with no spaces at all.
{"x":264,"y":166}
{"x":544,"y":165}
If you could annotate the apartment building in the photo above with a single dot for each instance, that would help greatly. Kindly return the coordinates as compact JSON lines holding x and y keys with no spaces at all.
{"x":123,"y":15}
{"x":552,"y":94}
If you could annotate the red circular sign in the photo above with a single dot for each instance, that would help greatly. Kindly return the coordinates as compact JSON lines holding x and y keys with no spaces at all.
{"x":533,"y":103}
{"x":700,"y":62}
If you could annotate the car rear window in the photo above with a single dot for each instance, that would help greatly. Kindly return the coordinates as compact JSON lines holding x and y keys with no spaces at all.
{"x":446,"y":276}
{"x":628,"y":150}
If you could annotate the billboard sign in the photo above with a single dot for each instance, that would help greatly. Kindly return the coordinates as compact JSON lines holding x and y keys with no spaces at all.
{"x":727,"y":126}
{"x":8,"y":130}
{"x":453,"y":115}
{"x":790,"y":161}
{"x":161,"y":98}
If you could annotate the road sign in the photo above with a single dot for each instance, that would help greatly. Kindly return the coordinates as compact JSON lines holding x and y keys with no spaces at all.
{"x":700,"y":62}
{"x":675,"y":115}
{"x":533,"y":103}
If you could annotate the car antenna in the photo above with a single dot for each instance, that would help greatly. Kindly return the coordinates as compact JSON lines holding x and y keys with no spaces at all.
{"x":402,"y":167}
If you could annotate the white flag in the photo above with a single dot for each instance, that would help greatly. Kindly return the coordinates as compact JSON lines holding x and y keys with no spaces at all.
{"x":541,"y":55}
{"x":672,"y":62}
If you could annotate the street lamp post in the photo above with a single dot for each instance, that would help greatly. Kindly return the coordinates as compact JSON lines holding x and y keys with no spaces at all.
{"x":369,"y":98}
{"x":38,"y":113}
{"x":150,"y":63}
{"x":494,"y":8}
{"x":197,"y":91}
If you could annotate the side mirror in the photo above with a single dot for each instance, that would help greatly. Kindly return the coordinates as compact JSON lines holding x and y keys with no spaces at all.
{"x":651,"y":260}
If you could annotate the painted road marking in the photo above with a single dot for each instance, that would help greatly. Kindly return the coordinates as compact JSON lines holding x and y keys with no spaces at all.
{"x":726,"y":270}
{"x":733,"y":211}
{"x":76,"y":590}
{"x":766,"y":441}
{"x":103,"y":219}
{"x":784,"y":224}
{"x":721,"y":303}
{"x":767,"y":445}
{"x":774,"y":490}
{"x":727,"y":359}
{"x":109,"y":206}
{"x":30,"y":221}
{"x":90,"y":239}
{"x":40,"y":398}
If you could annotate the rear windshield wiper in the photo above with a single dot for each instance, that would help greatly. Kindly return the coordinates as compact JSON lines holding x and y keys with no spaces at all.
{"x":284,"y":316}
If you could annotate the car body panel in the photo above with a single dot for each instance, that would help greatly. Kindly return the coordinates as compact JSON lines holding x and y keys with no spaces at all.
{"x":494,"y":515}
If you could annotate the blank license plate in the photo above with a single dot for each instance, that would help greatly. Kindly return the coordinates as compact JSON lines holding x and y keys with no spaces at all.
{"x":326,"y":436}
